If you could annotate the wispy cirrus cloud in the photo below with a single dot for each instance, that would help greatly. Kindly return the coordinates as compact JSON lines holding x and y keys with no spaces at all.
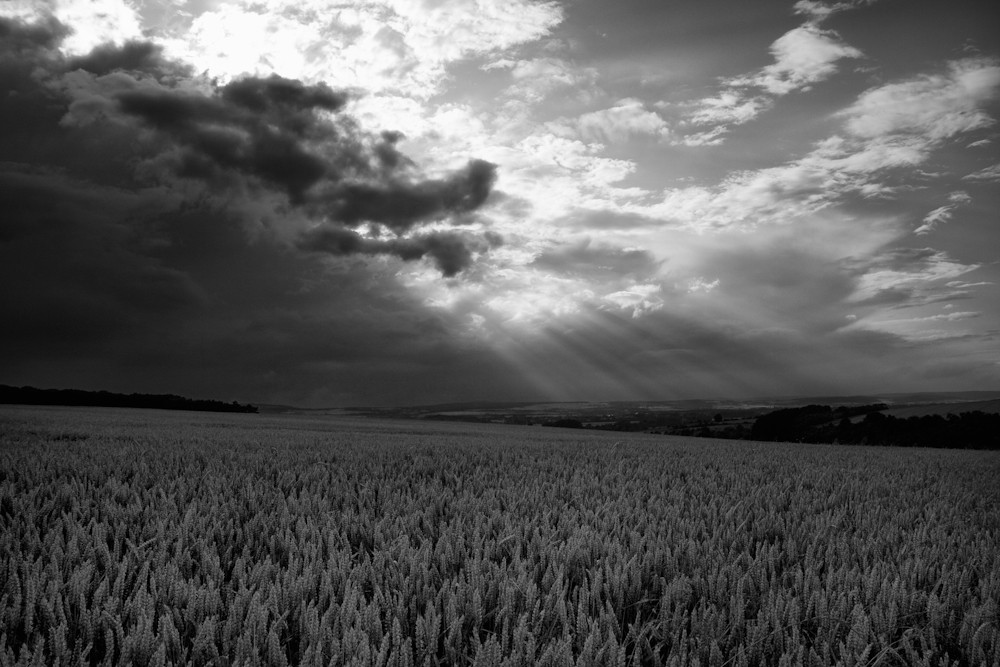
{"x":533,"y":79}
{"x":819,"y":10}
{"x":887,"y":129}
{"x":908,"y":277}
{"x":803,"y":56}
{"x":933,"y":107}
{"x":927,"y":328}
{"x":943,"y":214}
{"x":991,"y":173}
{"x":945,"y":317}
{"x":534,"y":84}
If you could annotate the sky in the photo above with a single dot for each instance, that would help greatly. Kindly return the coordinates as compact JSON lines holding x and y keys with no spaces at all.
{"x":400,"y":202}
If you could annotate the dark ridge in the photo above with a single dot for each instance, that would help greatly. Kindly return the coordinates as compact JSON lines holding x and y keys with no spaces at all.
{"x":107,"y":399}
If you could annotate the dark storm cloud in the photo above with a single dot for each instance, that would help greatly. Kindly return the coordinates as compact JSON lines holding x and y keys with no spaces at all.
{"x":257,"y":129}
{"x":387,"y":152}
{"x":399,"y":205}
{"x":218,"y":137}
{"x":251,"y":136}
{"x":452,"y":251}
{"x":17,"y":37}
{"x":285,"y":100}
{"x":271,"y":130}
{"x":75,"y":264}
{"x":131,"y":260}
{"x":107,"y":58}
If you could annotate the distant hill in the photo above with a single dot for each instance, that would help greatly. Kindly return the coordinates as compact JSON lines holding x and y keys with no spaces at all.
{"x":892,"y":399}
{"x":107,"y":399}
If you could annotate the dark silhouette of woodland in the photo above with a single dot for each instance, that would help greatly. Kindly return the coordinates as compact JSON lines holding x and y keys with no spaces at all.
{"x":846,"y":425}
{"x":33,"y":396}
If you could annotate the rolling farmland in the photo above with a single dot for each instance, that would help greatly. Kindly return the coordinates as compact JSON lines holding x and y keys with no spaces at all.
{"x":154,"y":538}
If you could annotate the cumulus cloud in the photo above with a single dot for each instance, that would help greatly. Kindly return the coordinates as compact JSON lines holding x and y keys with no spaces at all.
{"x":639,"y":299}
{"x":552,"y":180}
{"x":627,"y":119}
{"x":728,"y":108}
{"x":802,"y":56}
{"x":391,"y":46}
{"x":88,"y":24}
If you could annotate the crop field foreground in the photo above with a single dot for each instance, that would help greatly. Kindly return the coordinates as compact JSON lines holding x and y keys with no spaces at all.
{"x":132,"y":537}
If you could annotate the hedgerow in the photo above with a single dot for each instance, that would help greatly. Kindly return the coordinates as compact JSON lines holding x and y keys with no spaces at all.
{"x":148,"y":538}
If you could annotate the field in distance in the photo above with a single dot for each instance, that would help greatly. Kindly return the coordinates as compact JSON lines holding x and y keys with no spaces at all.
{"x":143,"y":537}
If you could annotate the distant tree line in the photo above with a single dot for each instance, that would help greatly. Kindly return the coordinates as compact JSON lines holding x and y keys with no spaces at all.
{"x":33,"y":396}
{"x":849,"y":425}
{"x":823,"y":424}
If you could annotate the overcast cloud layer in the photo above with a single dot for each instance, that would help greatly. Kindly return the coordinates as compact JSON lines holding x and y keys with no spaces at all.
{"x":404,"y":201}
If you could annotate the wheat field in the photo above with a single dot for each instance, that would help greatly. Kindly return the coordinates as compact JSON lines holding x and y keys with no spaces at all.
{"x":136,"y":537}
